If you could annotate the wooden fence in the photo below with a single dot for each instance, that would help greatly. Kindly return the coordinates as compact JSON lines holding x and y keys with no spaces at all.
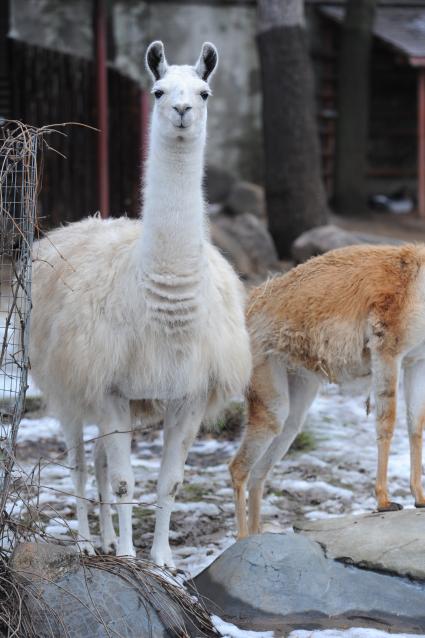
{"x":50,"y":87}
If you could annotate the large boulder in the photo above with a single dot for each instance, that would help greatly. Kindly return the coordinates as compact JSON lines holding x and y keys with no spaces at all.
{"x":388,"y":541}
{"x":285,"y":581}
{"x":246,"y":242}
{"x":218,"y":184}
{"x":95,"y":597}
{"x":246,"y":197}
{"x":317,"y":241}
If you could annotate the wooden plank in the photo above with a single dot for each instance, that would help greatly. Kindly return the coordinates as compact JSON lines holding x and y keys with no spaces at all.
{"x":102,"y":108}
{"x":421,"y":142}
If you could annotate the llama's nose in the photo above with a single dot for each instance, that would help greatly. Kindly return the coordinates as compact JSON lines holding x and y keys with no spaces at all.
{"x":182,"y":108}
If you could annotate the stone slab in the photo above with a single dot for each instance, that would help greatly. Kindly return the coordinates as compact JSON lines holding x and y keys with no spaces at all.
{"x":389,"y":541}
{"x":284,"y":581}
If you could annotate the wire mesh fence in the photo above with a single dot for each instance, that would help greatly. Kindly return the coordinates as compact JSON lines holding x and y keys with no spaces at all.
{"x":18,"y":193}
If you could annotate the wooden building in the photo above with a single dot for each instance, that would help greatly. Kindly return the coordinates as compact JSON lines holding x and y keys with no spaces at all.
{"x":396,"y":150}
{"x":96,"y":161}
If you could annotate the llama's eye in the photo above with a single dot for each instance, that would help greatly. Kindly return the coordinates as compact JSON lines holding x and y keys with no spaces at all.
{"x":204,"y":95}
{"x":158,"y":94}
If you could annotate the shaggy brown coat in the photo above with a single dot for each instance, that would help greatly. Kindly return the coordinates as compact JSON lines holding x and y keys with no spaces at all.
{"x":351,"y":313}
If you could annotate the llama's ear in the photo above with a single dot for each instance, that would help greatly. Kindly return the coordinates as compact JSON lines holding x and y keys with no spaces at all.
{"x":208,"y":60}
{"x":156,"y":63}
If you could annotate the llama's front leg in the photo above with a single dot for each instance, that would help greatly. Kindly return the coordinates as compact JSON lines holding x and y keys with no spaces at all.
{"x":414,"y":379}
{"x":181,"y":425}
{"x":73,"y":433}
{"x":107,"y":532}
{"x":385,"y":380}
{"x":116,"y":425}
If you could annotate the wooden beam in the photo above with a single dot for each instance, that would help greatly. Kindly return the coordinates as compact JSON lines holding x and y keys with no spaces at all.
{"x":421,"y":141}
{"x":102,"y":107}
{"x":5,"y":64}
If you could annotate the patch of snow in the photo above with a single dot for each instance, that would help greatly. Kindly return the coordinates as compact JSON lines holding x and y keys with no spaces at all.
{"x":354,"y":632}
{"x":317,"y":515}
{"x":269,"y":509}
{"x":311,"y":460}
{"x":275,"y":528}
{"x":146,"y":463}
{"x":209,"y":509}
{"x":316,"y":486}
{"x":34,"y":429}
{"x":227,"y":630}
{"x":218,"y":468}
{"x":208,"y":446}
{"x":47,"y":427}
{"x":57,"y":530}
{"x":225,"y":491}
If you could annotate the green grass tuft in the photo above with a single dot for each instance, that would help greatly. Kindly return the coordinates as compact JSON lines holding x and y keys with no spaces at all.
{"x":304,"y":442}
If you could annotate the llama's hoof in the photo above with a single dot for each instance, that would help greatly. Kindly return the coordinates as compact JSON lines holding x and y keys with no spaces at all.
{"x":110,"y":549}
{"x":108,"y":541}
{"x":86,"y":548}
{"x":125,"y":550}
{"x":241,"y":536}
{"x":163,"y":558}
{"x":419,"y":504}
{"x":391,"y":507}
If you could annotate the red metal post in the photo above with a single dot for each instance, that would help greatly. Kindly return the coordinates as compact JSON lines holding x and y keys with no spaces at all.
{"x":421,"y":141}
{"x":102,"y":107}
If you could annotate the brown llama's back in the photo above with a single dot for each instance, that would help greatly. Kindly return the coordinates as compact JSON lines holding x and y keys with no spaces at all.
{"x":322,"y":314}
{"x":351,"y":313}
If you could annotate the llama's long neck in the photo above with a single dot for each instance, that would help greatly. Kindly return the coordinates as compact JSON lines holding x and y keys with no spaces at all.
{"x":172,"y":241}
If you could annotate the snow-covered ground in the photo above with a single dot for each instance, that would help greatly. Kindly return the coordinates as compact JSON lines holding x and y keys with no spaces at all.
{"x":227,"y":630}
{"x":335,"y":477}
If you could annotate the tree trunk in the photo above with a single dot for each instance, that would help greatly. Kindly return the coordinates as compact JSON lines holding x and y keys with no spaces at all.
{"x":296,"y":199}
{"x":353,"y":108}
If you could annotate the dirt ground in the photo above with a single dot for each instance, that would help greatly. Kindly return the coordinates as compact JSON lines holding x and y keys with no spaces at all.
{"x":331,"y":472}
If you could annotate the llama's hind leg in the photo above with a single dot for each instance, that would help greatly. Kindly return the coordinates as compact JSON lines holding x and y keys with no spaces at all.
{"x":181,"y":425}
{"x":73,"y":432}
{"x":116,"y":431}
{"x":302,"y":391}
{"x":107,"y":532}
{"x":268,"y":408}
{"x":385,"y":371}
{"x":414,"y":378}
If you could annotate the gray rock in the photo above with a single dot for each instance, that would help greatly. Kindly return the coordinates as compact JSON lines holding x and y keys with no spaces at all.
{"x":96,"y":598}
{"x":246,"y":242}
{"x":323,"y":238}
{"x":45,"y":561}
{"x":388,"y":541}
{"x":218,"y":184}
{"x":246,"y":197}
{"x":284,"y":581}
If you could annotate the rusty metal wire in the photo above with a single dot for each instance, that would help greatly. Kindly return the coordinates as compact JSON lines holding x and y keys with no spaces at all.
{"x":18,"y":194}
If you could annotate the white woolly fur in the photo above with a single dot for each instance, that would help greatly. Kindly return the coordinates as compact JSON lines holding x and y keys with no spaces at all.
{"x":127,"y":310}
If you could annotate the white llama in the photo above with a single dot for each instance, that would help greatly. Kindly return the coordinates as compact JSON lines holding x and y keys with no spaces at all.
{"x":128,"y":311}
